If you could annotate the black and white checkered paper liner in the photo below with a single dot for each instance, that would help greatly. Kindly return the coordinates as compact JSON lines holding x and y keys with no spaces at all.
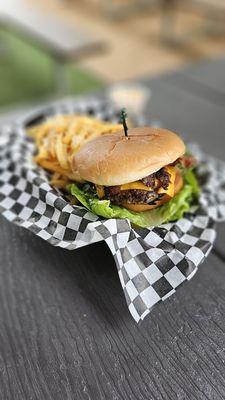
{"x":152,"y":263}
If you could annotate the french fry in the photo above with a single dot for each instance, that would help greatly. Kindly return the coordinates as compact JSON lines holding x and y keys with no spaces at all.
{"x":58,"y":138}
{"x":61,"y":152}
{"x":59,"y":183}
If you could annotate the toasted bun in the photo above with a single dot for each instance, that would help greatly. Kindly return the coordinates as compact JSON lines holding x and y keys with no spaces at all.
{"x":115,"y":160}
{"x":145,"y":207}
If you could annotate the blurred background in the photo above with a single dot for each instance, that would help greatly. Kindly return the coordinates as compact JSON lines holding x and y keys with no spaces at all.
{"x":60,"y":47}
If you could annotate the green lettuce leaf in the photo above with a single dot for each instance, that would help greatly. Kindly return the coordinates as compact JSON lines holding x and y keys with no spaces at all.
{"x":170,"y":211}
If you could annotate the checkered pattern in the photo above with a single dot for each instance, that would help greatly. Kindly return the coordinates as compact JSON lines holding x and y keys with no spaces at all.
{"x":152,"y":263}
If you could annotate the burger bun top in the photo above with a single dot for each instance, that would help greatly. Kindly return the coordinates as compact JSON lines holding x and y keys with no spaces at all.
{"x":115,"y":159}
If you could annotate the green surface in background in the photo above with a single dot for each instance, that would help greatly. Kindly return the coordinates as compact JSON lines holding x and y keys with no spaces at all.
{"x":27,"y":73}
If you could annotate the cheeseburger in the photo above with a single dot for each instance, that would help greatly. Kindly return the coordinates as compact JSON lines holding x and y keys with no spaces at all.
{"x":139,"y":172}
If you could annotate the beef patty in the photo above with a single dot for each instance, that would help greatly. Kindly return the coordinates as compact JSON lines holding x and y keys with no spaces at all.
{"x":132,"y":196}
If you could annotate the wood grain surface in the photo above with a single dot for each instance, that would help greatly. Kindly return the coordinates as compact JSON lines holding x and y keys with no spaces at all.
{"x":66,"y":332}
{"x":194,"y":117}
{"x":208,"y":79}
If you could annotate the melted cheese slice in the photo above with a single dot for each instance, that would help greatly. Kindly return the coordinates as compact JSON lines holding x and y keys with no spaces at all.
{"x":135,"y":185}
{"x":100,"y":191}
{"x":140,"y":185}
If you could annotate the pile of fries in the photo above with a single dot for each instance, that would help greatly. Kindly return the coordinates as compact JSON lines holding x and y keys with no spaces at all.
{"x":60,"y":137}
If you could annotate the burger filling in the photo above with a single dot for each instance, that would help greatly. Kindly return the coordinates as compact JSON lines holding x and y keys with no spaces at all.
{"x":149,"y":189}
{"x":145,"y":191}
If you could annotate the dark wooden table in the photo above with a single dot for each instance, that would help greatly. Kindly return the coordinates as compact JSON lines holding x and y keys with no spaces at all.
{"x":66,"y":332}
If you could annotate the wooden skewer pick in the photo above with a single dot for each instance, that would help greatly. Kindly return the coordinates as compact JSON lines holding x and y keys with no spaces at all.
{"x":123,"y":116}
